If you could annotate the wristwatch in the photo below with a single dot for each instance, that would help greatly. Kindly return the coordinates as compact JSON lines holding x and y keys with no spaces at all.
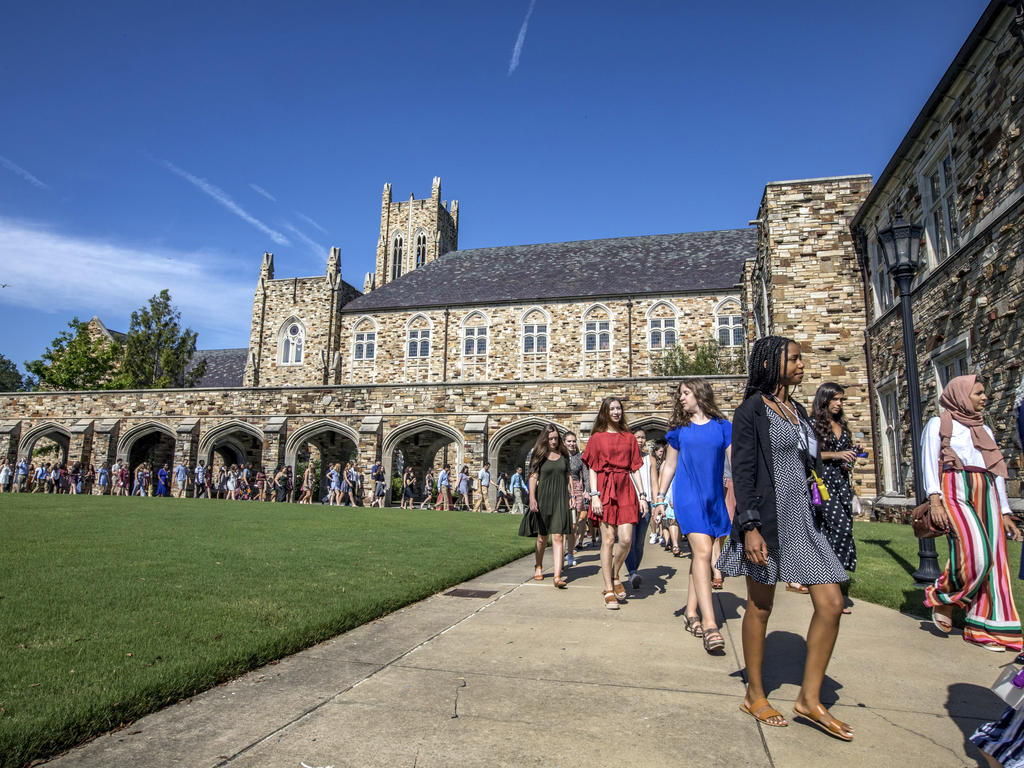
{"x":749,"y":526}
{"x":595,"y":493}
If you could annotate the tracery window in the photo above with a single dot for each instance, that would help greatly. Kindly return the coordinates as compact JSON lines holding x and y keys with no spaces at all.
{"x":535,"y":344}
{"x":290,"y":342}
{"x":661,"y":327}
{"x":729,"y":324}
{"x":597,"y":342}
{"x":397,"y":252}
{"x":474,"y":346}
{"x":421,"y":249}
{"x":419,"y":342}
{"x":365,"y":342}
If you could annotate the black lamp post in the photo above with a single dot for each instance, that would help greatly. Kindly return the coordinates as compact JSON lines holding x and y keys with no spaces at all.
{"x":901,"y":244}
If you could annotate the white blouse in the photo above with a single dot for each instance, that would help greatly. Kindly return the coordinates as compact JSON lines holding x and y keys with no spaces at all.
{"x":963,"y":445}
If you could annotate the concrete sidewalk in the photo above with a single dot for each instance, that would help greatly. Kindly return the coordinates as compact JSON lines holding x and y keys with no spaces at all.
{"x":530,"y":675}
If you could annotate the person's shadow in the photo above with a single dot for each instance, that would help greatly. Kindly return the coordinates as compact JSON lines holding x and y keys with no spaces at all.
{"x":784,"y":654}
{"x":970,"y":706}
{"x":654,"y":581}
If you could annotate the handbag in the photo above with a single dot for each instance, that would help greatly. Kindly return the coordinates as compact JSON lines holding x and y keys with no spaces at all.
{"x":1009,"y":686}
{"x":921,"y":522}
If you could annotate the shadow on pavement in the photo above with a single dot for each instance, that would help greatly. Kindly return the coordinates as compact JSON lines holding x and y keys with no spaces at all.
{"x":784,"y":654}
{"x":970,"y":706}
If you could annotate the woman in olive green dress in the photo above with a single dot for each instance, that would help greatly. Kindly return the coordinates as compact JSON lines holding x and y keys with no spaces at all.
{"x":549,"y":498}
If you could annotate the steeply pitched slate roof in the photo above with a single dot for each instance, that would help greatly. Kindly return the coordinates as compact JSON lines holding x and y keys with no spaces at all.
{"x":691,"y":261}
{"x":224,"y":367}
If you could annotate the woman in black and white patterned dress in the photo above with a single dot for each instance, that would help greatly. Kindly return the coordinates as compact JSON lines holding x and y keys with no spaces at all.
{"x":838,"y":456}
{"x":774,"y":536}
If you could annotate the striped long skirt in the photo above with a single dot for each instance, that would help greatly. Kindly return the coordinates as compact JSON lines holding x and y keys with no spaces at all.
{"x":977,"y":576}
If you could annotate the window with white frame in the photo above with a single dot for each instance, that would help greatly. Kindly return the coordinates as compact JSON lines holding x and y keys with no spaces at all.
{"x":951,"y":360}
{"x":889,"y":411}
{"x":421,"y":249}
{"x":535,"y":344}
{"x":365,"y":343}
{"x":597,"y":336}
{"x":597,"y":342}
{"x":474,"y":341}
{"x":397,"y":252}
{"x":729,"y":324}
{"x":474,"y":346}
{"x":881,"y":281}
{"x":291,"y":342}
{"x":662,"y":332}
{"x":938,"y":197}
{"x":418,"y":345}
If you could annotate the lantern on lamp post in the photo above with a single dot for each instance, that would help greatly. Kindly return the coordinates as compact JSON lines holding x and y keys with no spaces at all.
{"x":901,"y":246}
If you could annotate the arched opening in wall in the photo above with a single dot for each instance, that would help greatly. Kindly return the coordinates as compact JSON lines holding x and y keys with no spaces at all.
{"x":322,"y":444}
{"x":511,"y":446}
{"x":149,"y":444}
{"x":234,"y":443}
{"x":654,"y":429}
{"x":422,"y":445}
{"x":46,"y":443}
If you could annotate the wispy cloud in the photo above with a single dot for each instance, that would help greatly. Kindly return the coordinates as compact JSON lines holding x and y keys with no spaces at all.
{"x":13,"y":167}
{"x":314,"y":246}
{"x":224,"y":199}
{"x":110,"y":279}
{"x":308,"y":220}
{"x":518,"y":49}
{"x":257,"y":188}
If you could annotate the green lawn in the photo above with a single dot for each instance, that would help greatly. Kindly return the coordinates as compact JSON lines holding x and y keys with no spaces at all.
{"x":113,"y":607}
{"x":887,"y":555}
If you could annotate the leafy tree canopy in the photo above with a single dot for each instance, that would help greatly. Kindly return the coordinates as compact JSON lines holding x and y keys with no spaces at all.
{"x":156,"y":350}
{"x":76,"y":360}
{"x":10,"y":376}
{"x":708,"y":359}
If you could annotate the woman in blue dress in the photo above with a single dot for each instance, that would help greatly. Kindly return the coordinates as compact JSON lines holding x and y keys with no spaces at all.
{"x":699,"y":439}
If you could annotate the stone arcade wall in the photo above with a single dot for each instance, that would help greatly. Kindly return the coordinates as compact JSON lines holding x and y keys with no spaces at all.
{"x":972,"y":298}
{"x":479,"y":418}
{"x":629,"y":353}
{"x":809,"y":266}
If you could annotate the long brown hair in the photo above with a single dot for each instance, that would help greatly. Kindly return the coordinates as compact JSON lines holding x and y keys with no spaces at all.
{"x":604,"y":419}
{"x":820,"y":416}
{"x":540,"y":451}
{"x":705,"y":397}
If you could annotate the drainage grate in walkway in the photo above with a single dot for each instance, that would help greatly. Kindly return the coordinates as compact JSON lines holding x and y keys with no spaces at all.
{"x":471,"y":593}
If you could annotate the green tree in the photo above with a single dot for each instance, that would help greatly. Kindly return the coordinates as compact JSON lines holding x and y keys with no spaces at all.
{"x":76,"y":360}
{"x":708,"y":359}
{"x":10,"y":376}
{"x":156,"y":350}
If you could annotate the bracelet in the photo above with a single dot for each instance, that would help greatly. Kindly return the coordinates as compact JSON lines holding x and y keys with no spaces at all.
{"x":595,"y":493}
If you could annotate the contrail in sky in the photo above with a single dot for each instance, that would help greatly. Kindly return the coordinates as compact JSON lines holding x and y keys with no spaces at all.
{"x":260,"y":190}
{"x":15,"y":168}
{"x":222,"y":197}
{"x":518,"y":49}
{"x":306,"y":218}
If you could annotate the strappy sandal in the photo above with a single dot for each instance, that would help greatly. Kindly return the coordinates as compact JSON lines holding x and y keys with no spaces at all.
{"x":713,"y":640}
{"x":761,"y":711}
{"x":833,"y":727}
{"x":693,"y":626}
{"x":800,"y":589}
{"x":538,"y":574}
{"x":675,"y":551}
{"x":717,"y":583}
{"x":942,"y":622}
{"x":560,"y":583}
{"x":609,"y":601}
{"x":618,"y":590}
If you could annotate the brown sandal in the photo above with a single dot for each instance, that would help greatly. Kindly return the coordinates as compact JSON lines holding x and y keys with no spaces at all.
{"x":693,"y":626}
{"x":831,"y":726}
{"x":560,"y":583}
{"x":713,"y":640}
{"x":538,"y":574}
{"x":618,"y":590}
{"x":761,"y":710}
{"x":610,"y":602}
{"x":717,"y":582}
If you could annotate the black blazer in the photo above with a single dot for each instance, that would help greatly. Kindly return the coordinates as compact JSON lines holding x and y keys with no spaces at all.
{"x":753,"y":479}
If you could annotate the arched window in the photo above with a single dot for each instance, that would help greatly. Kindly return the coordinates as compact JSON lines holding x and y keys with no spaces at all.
{"x":290,"y":342}
{"x":421,"y":249}
{"x":597,"y":336}
{"x":418,"y":339}
{"x":474,"y":336}
{"x":364,"y":345}
{"x":597,"y":342}
{"x":662,"y":327}
{"x":397,"y":250}
{"x":535,"y":334}
{"x":729,"y":324}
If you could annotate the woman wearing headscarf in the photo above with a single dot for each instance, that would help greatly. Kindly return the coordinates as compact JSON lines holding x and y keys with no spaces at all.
{"x":968,"y":498}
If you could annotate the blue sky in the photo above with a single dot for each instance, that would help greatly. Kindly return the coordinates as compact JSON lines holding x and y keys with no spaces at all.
{"x":152,"y":145}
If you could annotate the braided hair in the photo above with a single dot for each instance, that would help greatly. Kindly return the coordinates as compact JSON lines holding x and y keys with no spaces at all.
{"x":766,"y":368}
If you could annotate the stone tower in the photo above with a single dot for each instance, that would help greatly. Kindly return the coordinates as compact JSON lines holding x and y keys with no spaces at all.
{"x":412,"y":234}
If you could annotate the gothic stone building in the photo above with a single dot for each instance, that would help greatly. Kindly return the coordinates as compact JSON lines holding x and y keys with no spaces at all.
{"x":461,"y":356}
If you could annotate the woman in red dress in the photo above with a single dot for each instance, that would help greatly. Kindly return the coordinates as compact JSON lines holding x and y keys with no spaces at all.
{"x":613,"y":461}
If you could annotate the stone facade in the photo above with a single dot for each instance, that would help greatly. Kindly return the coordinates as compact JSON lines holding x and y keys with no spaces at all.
{"x":412,"y":234}
{"x":619,"y":330}
{"x":959,"y":172}
{"x":462,"y":423}
{"x":310,"y":306}
{"x":806,"y":284}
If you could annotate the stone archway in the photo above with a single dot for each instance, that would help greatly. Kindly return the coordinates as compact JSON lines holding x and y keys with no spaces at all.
{"x":55,"y":438}
{"x":654,"y":426}
{"x":423,"y":444}
{"x":233,"y":442}
{"x":511,"y":446}
{"x":325,"y":441}
{"x":152,"y":443}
